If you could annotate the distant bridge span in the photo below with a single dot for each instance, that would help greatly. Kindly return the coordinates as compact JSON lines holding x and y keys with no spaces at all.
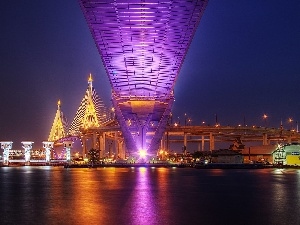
{"x":211,"y":134}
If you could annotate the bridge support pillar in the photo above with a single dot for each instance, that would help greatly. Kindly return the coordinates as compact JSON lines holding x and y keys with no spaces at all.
{"x":211,"y":141}
{"x":184,"y":143}
{"x":84,"y":152}
{"x":122,"y":149}
{"x":167,"y":146}
{"x":6,"y":146}
{"x":94,"y":145}
{"x":27,"y":145}
{"x":101,"y":146}
{"x":68,"y":145}
{"x":104,"y":143}
{"x":116,"y":146}
{"x":48,"y":146}
{"x":265,"y":139}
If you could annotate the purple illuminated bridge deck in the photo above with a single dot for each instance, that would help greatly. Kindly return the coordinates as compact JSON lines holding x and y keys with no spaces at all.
{"x":143,"y":44}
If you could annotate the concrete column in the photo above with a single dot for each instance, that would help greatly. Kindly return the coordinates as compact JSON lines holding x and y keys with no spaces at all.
{"x":94,"y":140}
{"x":211,"y":142}
{"x":103,"y":143}
{"x":109,"y":150}
{"x":48,"y":146}
{"x":116,"y":147}
{"x":202,"y":142}
{"x":101,"y":146}
{"x":265,"y":139}
{"x":27,"y":145}
{"x":167,"y":142}
{"x":121,"y":149}
{"x":6,"y":146}
{"x":124,"y":148}
{"x":184,"y":143}
{"x":119,"y":145}
{"x":84,"y":152}
{"x":68,"y":145}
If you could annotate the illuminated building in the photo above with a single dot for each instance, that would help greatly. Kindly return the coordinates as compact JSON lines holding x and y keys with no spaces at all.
{"x":143,"y":45}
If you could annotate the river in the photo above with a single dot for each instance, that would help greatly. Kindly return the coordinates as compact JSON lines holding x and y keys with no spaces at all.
{"x":55,"y":195}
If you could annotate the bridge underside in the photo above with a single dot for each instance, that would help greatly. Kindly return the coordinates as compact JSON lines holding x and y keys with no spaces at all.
{"x":143,"y":44}
{"x":139,"y":117}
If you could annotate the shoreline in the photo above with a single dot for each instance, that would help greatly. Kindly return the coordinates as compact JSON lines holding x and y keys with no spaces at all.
{"x":162,"y":165}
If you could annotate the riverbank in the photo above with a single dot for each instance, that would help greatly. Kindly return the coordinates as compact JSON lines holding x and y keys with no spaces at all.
{"x":162,"y":165}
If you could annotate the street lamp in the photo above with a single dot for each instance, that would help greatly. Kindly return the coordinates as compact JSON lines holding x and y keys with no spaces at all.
{"x":265,"y":116}
{"x":290,"y":120}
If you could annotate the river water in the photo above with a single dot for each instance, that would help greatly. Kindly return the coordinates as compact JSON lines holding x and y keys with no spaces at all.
{"x":54,"y":195}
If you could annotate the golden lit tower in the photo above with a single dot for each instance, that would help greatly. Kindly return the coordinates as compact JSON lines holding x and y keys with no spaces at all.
{"x":59,"y":126}
{"x":91,"y":112}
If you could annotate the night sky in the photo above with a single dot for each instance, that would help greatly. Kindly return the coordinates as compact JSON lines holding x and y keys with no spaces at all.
{"x":244,"y":61}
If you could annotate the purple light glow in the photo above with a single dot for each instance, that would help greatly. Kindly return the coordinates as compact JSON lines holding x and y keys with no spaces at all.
{"x":143,"y":209}
{"x":142,"y":153}
{"x":143,"y":45}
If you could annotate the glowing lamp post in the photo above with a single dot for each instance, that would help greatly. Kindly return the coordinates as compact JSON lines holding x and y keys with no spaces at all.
{"x":68,"y":145}
{"x":290,"y":120}
{"x":265,"y":117}
{"x":6,"y":146}
{"x":48,"y":145}
{"x":27,"y":145}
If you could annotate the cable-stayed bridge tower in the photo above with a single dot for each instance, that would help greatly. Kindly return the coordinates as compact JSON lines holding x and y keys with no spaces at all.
{"x":60,"y":125}
{"x":91,"y":114}
{"x":143,"y":44}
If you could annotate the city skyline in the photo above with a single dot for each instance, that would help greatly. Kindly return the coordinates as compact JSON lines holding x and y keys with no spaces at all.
{"x":241,"y":65}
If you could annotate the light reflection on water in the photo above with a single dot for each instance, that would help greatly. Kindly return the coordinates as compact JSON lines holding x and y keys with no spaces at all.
{"x":52,"y":195}
{"x":142,"y":207}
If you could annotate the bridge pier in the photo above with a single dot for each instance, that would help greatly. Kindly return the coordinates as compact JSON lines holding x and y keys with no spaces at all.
{"x":101,"y":145}
{"x":94,"y":140}
{"x":6,"y":146}
{"x":103,"y":138}
{"x":84,"y":152}
{"x":211,"y":141}
{"x":27,"y":145}
{"x":265,"y":139}
{"x":184,"y":143}
{"x":48,"y":146}
{"x":116,"y":148}
{"x":121,"y":145}
{"x":68,"y":146}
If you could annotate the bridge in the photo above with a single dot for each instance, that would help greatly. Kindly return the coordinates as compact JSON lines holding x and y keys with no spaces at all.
{"x":95,"y":126}
{"x":142,"y":45}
